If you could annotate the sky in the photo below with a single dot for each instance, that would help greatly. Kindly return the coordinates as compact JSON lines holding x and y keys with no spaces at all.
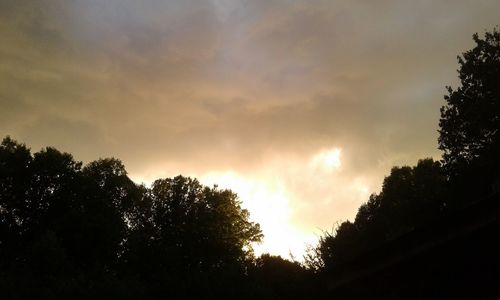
{"x":301,"y":107}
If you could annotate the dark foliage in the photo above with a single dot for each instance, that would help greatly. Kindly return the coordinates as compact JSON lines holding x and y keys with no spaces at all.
{"x":470,"y":120}
{"x":437,"y":221}
{"x":73,"y":232}
{"x":278,"y":278}
{"x":409,"y":198}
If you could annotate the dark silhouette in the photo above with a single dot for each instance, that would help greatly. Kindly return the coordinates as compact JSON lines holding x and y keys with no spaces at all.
{"x":470,"y":121}
{"x":278,"y":278}
{"x":89,"y":232}
{"x":409,"y":198}
{"x":73,"y":232}
{"x":432,"y":231}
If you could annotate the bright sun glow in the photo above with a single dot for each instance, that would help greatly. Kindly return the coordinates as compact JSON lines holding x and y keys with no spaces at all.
{"x":270,"y":194}
{"x":328,"y":160}
{"x":268,"y":203}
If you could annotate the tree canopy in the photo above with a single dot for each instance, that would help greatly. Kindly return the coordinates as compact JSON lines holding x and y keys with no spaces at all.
{"x":65,"y":228}
{"x":470,"y":121}
{"x":412,"y":196}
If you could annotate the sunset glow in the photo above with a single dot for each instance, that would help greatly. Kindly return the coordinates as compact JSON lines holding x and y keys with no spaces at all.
{"x":249,"y":149}
{"x":299,"y":107}
{"x":270,"y":193}
{"x":328,"y":160}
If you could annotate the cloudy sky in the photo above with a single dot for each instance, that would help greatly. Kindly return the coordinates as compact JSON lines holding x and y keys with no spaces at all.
{"x":301,"y":107}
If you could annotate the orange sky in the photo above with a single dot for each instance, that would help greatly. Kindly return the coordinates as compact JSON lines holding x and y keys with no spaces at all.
{"x":301,"y":107}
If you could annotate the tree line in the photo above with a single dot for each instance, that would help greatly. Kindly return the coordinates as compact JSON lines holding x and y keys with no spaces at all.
{"x":414,"y":197}
{"x":69,"y":230}
{"x":74,"y":231}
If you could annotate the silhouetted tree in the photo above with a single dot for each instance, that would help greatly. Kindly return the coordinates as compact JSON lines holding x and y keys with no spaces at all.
{"x":73,"y":232}
{"x":386,"y":237}
{"x":279,"y":278}
{"x":410,"y":197}
{"x":184,"y":230}
{"x":470,"y":120}
{"x":15,"y":177}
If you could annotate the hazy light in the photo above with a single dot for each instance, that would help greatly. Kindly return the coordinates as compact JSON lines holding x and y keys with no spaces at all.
{"x":328,"y":160}
{"x":268,"y":203}
{"x":279,"y":202}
